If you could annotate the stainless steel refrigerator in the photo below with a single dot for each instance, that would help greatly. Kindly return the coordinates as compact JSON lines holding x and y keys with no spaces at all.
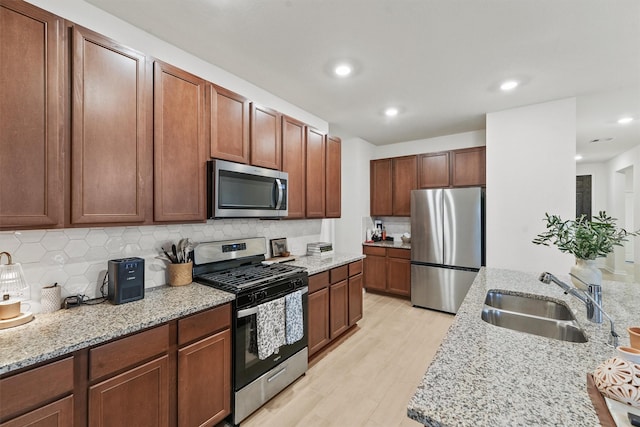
{"x":447,"y":245}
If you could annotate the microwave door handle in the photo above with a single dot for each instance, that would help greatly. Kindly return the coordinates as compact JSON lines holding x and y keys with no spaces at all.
{"x":280,"y":193}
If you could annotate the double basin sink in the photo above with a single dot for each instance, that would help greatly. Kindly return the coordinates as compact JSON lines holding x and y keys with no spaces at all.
{"x":533,"y":314}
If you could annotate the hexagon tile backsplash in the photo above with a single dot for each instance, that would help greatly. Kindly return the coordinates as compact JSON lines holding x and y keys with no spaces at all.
{"x":76,"y":258}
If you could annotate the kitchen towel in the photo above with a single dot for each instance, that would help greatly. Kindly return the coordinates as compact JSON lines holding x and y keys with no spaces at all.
{"x":294,"y":317}
{"x":271,"y":327}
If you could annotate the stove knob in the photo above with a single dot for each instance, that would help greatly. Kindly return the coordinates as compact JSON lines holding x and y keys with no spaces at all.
{"x":261,"y":295}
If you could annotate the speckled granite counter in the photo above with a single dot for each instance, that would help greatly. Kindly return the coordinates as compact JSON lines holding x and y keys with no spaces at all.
{"x":55,"y":334}
{"x":395,"y":244}
{"x":483,"y":375}
{"x":317,"y":264}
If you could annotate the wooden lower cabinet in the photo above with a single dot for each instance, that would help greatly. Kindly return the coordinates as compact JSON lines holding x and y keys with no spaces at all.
{"x":339,"y":308}
{"x":204,"y":381}
{"x":318,"y":304}
{"x":137,"y":397}
{"x":355,"y":299}
{"x":177,"y":373}
{"x":56,"y":414}
{"x":335,"y":304}
{"x":387,"y":270}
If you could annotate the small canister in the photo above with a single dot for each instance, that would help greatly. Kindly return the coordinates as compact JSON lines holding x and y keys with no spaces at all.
{"x":50,"y":300}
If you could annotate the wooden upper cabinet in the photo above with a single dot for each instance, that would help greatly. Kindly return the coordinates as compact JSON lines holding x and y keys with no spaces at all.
{"x":468,"y":167}
{"x":266,"y":139}
{"x":110,"y":148}
{"x":333,"y":177}
{"x":380,"y":187}
{"x":229,"y":125}
{"x":31,"y":82}
{"x":404,"y":179}
{"x":294,"y":163}
{"x":179,"y":145}
{"x":434,"y":170}
{"x":315,"y":174}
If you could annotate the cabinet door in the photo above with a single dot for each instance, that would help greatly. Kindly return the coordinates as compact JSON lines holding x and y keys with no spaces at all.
{"x":315,"y":174}
{"x":469,"y":167}
{"x":339,"y":308}
{"x":380,"y":187}
{"x":229,"y":125}
{"x":405,"y":177}
{"x":110,"y":151}
{"x":294,"y":159}
{"x":375,"y":272}
{"x":318,"y":303}
{"x":355,"y":299}
{"x":333,"y":177}
{"x":204,"y":381}
{"x":34,"y":387}
{"x":31,"y":81}
{"x":179,"y":145}
{"x":56,"y":414}
{"x":138,"y":397}
{"x":399,"y":276}
{"x":433,"y":170}
{"x":266,"y":141}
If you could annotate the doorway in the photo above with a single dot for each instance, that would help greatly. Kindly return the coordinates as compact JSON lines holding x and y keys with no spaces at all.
{"x":583,"y":196}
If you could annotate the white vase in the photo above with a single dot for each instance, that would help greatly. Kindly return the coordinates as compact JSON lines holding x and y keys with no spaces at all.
{"x":586,"y":270}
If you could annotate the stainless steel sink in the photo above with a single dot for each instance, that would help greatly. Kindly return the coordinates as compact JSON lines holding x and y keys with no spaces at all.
{"x":527,"y":305}
{"x":532,"y":315}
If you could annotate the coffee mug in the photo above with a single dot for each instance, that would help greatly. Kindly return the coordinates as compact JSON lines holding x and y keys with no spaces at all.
{"x":11,"y":308}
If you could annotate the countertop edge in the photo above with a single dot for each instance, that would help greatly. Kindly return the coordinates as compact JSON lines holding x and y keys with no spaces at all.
{"x":65,"y":342}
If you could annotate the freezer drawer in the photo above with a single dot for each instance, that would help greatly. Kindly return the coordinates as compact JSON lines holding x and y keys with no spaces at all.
{"x":439,"y":288}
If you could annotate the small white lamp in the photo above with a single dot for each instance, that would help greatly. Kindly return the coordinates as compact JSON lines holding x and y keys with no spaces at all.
{"x":13,"y":290}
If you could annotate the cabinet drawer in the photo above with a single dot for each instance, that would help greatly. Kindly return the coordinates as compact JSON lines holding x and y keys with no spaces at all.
{"x":355,"y":268}
{"x":31,"y":388}
{"x":399,"y":253}
{"x":374,"y":250}
{"x":205,"y":323}
{"x":318,"y":281}
{"x":125,"y":352}
{"x":339,"y":274}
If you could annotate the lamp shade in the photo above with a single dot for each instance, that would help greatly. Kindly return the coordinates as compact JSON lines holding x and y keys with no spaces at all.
{"x":12,"y":281}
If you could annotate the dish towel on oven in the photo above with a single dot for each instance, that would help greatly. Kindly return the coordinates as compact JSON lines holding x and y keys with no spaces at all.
{"x":294,"y":317}
{"x":271,"y":326}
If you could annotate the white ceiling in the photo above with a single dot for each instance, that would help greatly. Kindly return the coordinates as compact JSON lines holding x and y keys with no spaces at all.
{"x":439,"y":61}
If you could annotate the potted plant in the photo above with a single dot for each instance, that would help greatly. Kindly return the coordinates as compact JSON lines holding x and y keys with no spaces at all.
{"x":586,"y":239}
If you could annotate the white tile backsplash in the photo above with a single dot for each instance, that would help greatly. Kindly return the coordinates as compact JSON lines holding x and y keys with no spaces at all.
{"x":77,"y":258}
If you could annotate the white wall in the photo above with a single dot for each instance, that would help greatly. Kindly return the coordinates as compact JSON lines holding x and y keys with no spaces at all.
{"x":441,"y":143}
{"x":356,"y":154}
{"x":89,"y":16}
{"x":530,"y":171}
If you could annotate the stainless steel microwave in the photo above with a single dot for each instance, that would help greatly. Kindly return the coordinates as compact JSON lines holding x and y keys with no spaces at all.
{"x":244,"y":191}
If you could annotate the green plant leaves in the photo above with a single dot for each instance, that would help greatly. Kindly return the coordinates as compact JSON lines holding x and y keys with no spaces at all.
{"x":582,"y":237}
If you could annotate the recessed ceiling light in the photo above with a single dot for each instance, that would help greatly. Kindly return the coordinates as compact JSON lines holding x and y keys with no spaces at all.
{"x":578,"y":157}
{"x":509,"y":85}
{"x":343,"y":70}
{"x":625,"y":120}
{"x":391,"y":112}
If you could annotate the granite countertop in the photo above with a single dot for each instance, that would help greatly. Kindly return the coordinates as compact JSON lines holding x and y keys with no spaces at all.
{"x":483,"y":375}
{"x":318,"y":264}
{"x":55,"y":334}
{"x":388,"y":244}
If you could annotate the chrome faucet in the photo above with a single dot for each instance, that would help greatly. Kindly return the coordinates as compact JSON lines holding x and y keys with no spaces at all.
{"x":592,"y":299}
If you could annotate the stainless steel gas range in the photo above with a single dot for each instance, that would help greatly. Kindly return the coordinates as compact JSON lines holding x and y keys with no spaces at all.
{"x":262,"y":292}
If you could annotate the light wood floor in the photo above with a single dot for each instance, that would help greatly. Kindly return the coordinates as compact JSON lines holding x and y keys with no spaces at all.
{"x":368,"y":379}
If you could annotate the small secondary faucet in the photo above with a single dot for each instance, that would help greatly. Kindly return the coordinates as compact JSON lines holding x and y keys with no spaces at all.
{"x":591,"y":299}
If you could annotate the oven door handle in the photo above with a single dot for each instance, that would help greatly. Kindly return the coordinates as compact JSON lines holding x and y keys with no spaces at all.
{"x":254,"y":310}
